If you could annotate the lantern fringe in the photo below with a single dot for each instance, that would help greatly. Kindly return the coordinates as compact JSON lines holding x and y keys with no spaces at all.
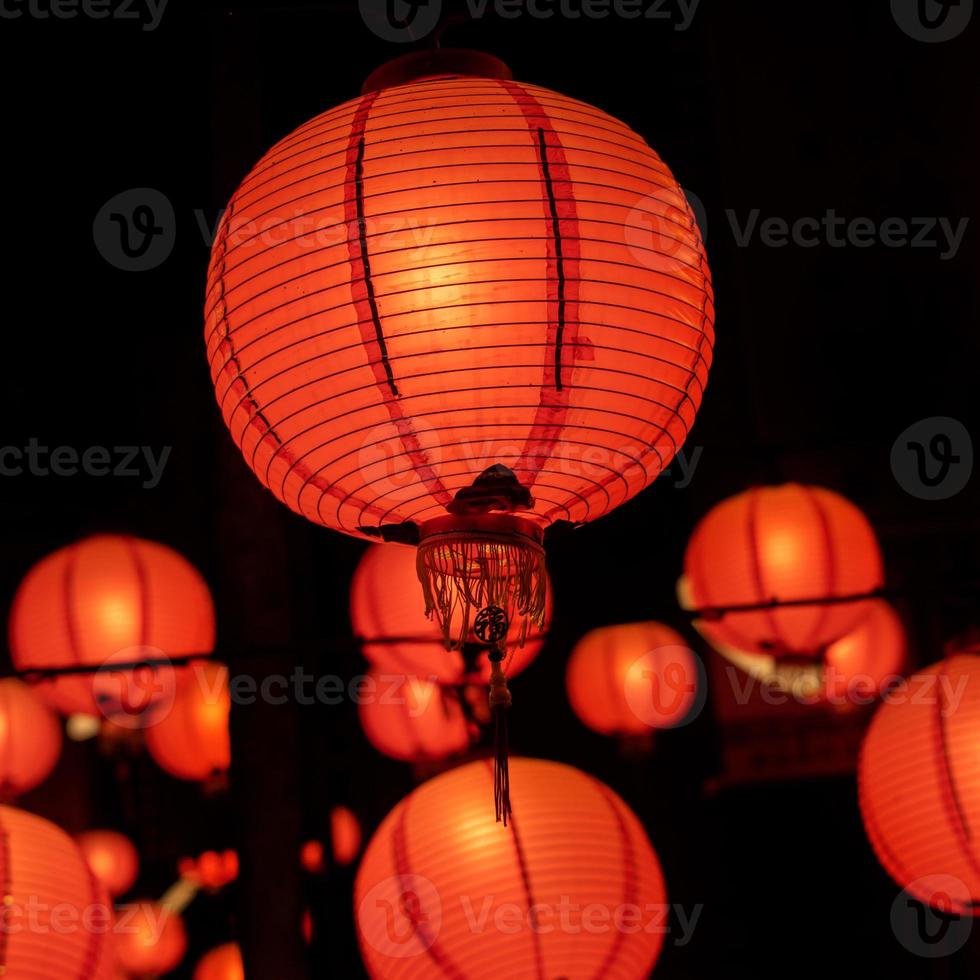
{"x":464,"y":572}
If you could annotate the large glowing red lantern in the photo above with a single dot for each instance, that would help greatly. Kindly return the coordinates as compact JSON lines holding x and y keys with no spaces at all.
{"x":453,"y":311}
{"x":435,"y":863}
{"x":222,"y":963}
{"x":112,"y":858}
{"x":191,"y":741}
{"x":783,"y":545}
{"x":396,"y":635}
{"x":150,"y":939}
{"x":919,"y":783}
{"x":30,"y":739}
{"x":41,"y":869}
{"x":411,"y":718}
{"x":109,"y":598}
{"x":632,"y":678}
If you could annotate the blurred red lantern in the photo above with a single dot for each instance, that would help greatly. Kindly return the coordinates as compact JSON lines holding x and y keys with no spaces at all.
{"x":42,"y":868}
{"x":191,"y":741}
{"x":212,"y":870}
{"x":412,"y":719}
{"x":854,"y":670}
{"x":30,"y":739}
{"x":919,"y":784}
{"x":631,"y":678}
{"x":150,"y":939}
{"x":572,"y":851}
{"x":112,"y":858}
{"x":222,"y":963}
{"x":345,"y":833}
{"x":110,"y":598}
{"x":519,"y":338}
{"x":397,"y":636}
{"x":784,"y":544}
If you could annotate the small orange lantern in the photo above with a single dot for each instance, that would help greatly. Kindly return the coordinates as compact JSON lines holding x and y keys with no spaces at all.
{"x":212,"y":870}
{"x":112,"y":858}
{"x":571,"y":888}
{"x":919,"y":784}
{"x":30,"y":739}
{"x":222,"y":963}
{"x":412,"y":719}
{"x":110,"y":598}
{"x":191,"y":741}
{"x":345,"y":834}
{"x":396,"y":635}
{"x":632,"y":678}
{"x":150,"y":939}
{"x":42,"y":868}
{"x":457,"y":340}
{"x":793,"y":546}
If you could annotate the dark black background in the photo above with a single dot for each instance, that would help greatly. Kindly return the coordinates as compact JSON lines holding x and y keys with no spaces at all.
{"x":823,"y":357}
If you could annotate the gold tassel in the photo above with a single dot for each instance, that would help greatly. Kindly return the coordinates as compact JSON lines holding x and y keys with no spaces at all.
{"x":500,"y":701}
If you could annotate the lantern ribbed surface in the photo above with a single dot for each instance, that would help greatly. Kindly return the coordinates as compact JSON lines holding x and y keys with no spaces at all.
{"x":631,"y":678}
{"x":42,"y":869}
{"x":107,"y":597}
{"x":437,"y":873}
{"x":450,"y":274}
{"x":30,"y":739}
{"x":192,"y":741}
{"x":919,"y":784}
{"x":112,"y":858}
{"x":411,"y":719}
{"x":396,"y":636}
{"x":786,"y":543}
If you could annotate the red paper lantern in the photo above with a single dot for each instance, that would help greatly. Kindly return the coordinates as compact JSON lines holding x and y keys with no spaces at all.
{"x":412,"y":719}
{"x":451,"y":312}
{"x":222,"y":963}
{"x":919,"y":785}
{"x":30,"y":739}
{"x":787,"y":543}
{"x":112,"y":858}
{"x":212,"y":870}
{"x":191,"y":741}
{"x":345,"y":834}
{"x":632,"y":678}
{"x":150,"y":939}
{"x":110,"y":598}
{"x":42,"y":868}
{"x":397,"y":636}
{"x":554,"y":890}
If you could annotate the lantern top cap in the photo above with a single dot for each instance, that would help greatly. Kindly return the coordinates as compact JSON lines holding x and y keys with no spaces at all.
{"x":437,"y":61}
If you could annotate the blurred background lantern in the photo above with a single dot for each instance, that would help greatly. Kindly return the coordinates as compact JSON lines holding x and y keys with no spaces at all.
{"x":222,"y":963}
{"x":212,"y":870}
{"x":191,"y":740}
{"x":919,"y":784}
{"x":345,"y":839}
{"x":42,"y":868}
{"x":573,"y":844}
{"x":150,"y":938}
{"x":30,"y":739}
{"x":412,"y":719}
{"x":785,"y":544}
{"x":526,"y":364}
{"x":112,"y":858}
{"x":396,"y":635}
{"x":110,"y":598}
{"x":853,"y":670}
{"x":632,"y":678}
